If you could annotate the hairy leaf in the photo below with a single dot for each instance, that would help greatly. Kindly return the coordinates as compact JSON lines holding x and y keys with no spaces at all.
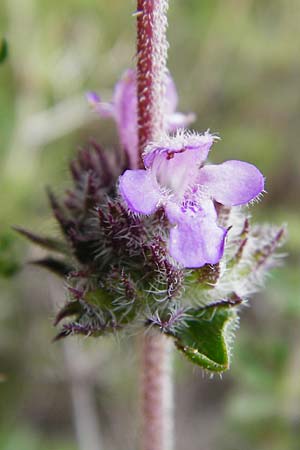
{"x":206,"y":335}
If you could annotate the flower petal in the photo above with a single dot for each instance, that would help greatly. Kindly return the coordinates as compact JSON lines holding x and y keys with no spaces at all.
{"x":174,"y":120}
{"x":104,"y":109}
{"x":126,"y":115}
{"x":196,"y":239}
{"x":123,"y":109}
{"x":176,"y":160}
{"x":140,"y":191}
{"x":179,"y":120}
{"x":171,"y":96}
{"x":232,"y":183}
{"x":196,"y":242}
{"x":170,"y":146}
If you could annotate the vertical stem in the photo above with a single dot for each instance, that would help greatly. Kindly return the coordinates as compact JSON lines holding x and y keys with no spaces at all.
{"x":152,"y":47}
{"x":157,"y":399}
{"x":156,"y":383}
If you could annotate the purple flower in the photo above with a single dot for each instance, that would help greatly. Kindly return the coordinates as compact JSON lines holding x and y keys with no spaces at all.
{"x":176,"y":179}
{"x":123,"y":109}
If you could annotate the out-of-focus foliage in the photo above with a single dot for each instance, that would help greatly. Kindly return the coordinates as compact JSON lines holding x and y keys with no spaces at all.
{"x":236,"y":64}
{"x":9,"y":257}
{"x":3,"y":50}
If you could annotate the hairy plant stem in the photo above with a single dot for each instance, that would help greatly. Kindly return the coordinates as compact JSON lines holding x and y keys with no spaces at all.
{"x":156,"y":381}
{"x":152,"y":48}
{"x":156,"y":386}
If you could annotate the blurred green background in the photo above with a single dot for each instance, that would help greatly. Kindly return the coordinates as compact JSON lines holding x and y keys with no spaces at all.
{"x":236,"y":64}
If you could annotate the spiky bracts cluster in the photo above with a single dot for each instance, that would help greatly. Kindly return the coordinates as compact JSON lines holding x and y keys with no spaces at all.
{"x":119,"y":273}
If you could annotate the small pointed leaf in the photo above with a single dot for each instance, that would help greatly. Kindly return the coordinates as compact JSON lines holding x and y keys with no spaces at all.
{"x":56,"y":266}
{"x":70,"y":309}
{"x":43,"y":241}
{"x":206,"y":335}
{"x":65,"y":222}
{"x":62,"y":334}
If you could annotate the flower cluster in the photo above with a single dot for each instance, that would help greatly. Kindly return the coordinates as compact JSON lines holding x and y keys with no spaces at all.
{"x":168,"y":246}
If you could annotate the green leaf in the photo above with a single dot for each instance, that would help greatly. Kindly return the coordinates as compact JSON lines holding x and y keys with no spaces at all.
{"x":206,"y":335}
{"x":3,"y":50}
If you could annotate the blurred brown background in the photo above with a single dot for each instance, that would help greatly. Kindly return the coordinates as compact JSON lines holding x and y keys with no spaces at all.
{"x":236,"y":64}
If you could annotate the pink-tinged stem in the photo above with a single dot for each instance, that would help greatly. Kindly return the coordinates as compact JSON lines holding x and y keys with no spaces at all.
{"x":157,"y":398}
{"x":152,"y":49}
{"x":156,"y":381}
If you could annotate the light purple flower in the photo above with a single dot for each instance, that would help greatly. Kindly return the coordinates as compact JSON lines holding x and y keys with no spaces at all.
{"x":123,"y":109}
{"x":175,"y":179}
